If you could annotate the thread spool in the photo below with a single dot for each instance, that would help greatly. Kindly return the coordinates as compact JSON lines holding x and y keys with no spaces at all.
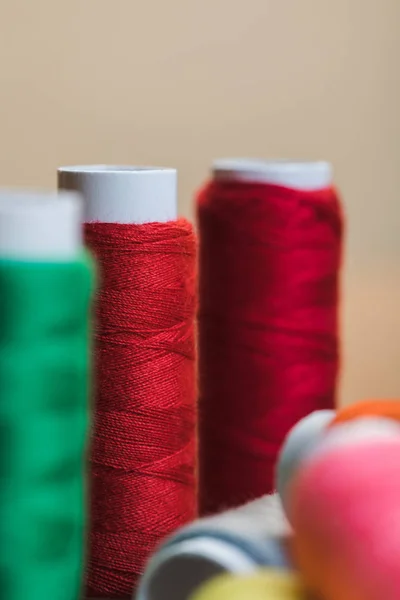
{"x":237,"y":541}
{"x":132,"y":211}
{"x":265,"y":585}
{"x":298,"y":444}
{"x":264,"y":362}
{"x":45,"y":284}
{"x":343,"y":505}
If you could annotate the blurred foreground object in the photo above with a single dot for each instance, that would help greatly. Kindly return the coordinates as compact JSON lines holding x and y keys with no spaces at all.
{"x":236,"y":541}
{"x":45,"y":292}
{"x":264,"y":585}
{"x":300,"y":441}
{"x":344,"y":504}
{"x":369,"y":408}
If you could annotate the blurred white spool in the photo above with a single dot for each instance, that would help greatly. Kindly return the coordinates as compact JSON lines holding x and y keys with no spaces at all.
{"x":40,"y":225}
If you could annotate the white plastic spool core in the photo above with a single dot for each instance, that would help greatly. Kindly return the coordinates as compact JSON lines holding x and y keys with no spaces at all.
{"x":178,"y":570}
{"x":298,"y":175}
{"x":123,"y":194}
{"x":40,"y":225}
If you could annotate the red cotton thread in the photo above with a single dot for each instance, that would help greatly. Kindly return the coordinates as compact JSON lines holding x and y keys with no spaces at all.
{"x":268,"y":328}
{"x":143,"y":450}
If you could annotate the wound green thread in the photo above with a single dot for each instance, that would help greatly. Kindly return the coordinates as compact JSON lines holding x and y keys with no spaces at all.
{"x":44,"y":419}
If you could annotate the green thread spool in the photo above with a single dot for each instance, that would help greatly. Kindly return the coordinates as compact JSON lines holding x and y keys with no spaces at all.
{"x":265,"y":585}
{"x":45,"y":292}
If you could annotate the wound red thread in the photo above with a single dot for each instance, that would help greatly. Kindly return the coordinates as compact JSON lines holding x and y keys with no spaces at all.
{"x":143,"y":448}
{"x":268,"y":328}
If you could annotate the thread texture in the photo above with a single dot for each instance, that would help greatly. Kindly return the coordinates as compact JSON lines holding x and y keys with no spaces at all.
{"x":143,"y":454}
{"x":44,"y":359}
{"x":268,"y":328}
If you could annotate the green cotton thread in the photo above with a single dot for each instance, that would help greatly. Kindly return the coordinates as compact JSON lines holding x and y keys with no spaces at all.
{"x":44,"y":419}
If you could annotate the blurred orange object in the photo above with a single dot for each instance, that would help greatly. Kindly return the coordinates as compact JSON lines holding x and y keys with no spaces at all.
{"x":368,"y":408}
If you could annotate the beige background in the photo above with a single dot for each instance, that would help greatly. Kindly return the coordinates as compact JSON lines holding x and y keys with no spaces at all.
{"x":180,"y":82}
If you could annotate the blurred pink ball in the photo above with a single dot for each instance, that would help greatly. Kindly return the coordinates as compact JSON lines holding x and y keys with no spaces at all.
{"x":345,"y":510}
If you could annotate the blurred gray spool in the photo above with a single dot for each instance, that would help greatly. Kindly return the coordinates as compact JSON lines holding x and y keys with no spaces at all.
{"x":301,"y":440}
{"x":237,"y":541}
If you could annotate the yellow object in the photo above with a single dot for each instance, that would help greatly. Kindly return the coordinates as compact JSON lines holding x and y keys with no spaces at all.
{"x":264,"y":585}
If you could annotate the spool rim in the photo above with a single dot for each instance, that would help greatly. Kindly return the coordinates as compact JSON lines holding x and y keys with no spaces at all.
{"x":106,"y":169}
{"x":297,"y":174}
{"x":220,"y":555}
{"x":126,"y":194}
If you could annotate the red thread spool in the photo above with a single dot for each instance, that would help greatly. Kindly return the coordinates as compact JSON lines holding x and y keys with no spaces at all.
{"x":270,"y":252}
{"x":143,"y":448}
